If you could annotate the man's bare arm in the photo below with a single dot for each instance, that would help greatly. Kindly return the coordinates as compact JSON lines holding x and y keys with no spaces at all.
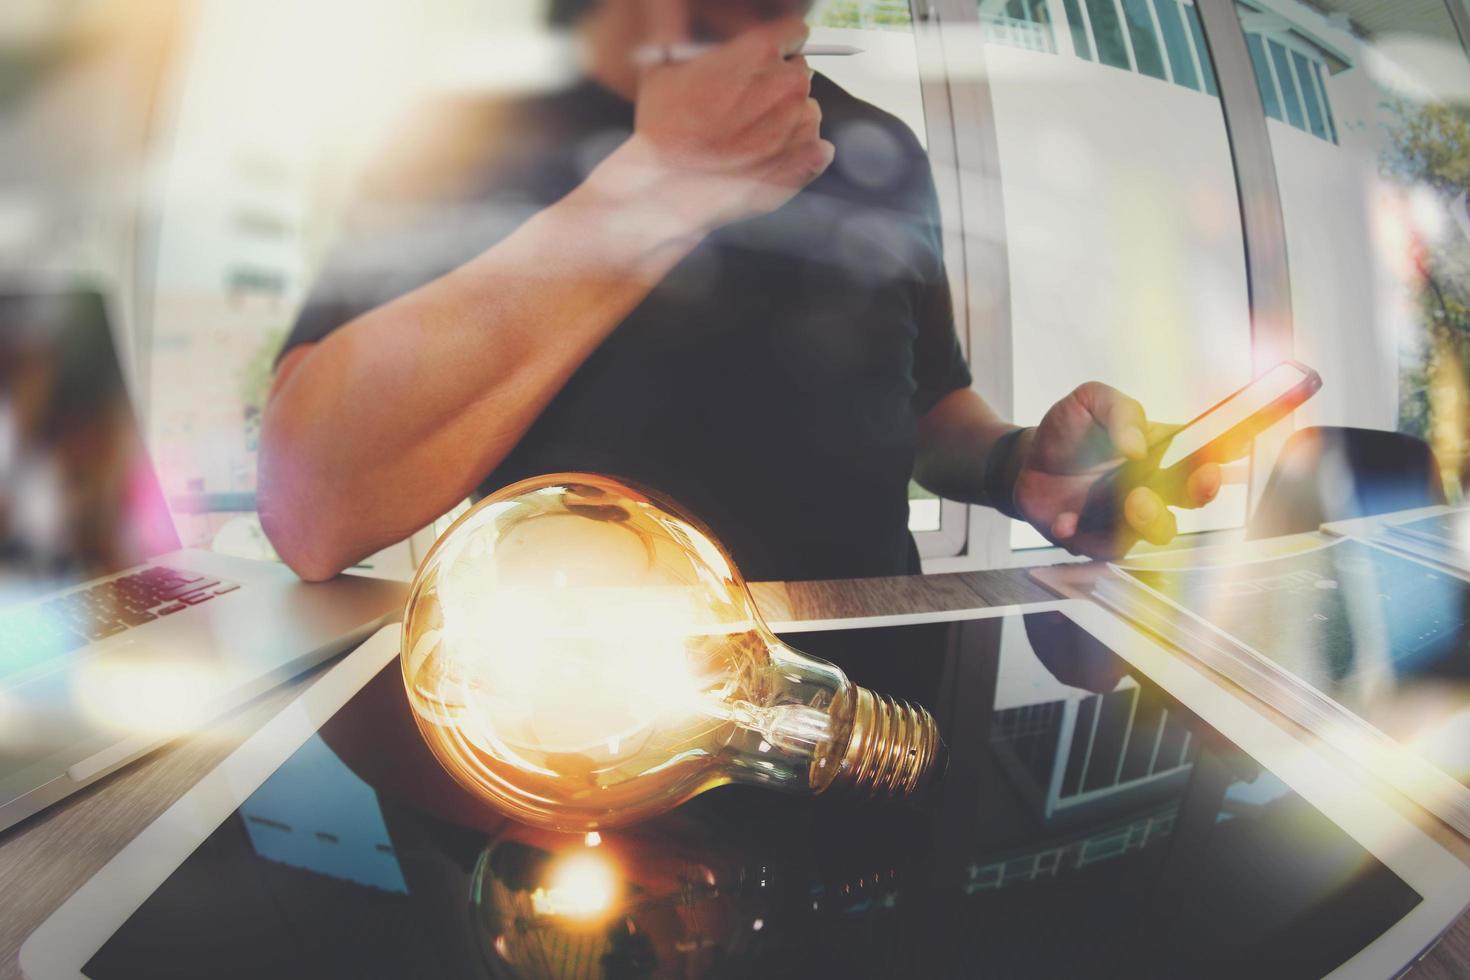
{"x":396,"y":416}
{"x":954,"y":439}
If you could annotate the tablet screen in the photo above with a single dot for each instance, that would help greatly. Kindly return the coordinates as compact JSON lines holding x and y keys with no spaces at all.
{"x":1088,"y":825}
{"x":1385,"y":636}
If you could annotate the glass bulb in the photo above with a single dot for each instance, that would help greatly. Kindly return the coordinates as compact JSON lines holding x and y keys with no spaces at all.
{"x":583,"y":655}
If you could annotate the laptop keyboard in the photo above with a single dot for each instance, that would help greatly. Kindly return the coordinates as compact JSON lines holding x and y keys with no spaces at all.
{"x":34,"y":633}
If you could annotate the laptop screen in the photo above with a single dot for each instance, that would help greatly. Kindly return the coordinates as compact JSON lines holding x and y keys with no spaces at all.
{"x":78,"y":495}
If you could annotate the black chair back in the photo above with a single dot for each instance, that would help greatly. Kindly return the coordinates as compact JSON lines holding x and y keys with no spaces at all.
{"x":1329,"y":473}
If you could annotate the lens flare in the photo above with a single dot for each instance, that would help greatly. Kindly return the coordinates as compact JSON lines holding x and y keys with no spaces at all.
{"x":583,"y":886}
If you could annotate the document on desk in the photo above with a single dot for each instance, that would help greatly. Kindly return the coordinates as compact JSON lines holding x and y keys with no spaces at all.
{"x":1442,"y":537}
{"x":1366,"y":648}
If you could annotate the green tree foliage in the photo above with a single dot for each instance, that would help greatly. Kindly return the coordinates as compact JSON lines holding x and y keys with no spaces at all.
{"x":891,"y":13}
{"x":1429,"y":151}
{"x":859,"y":14}
{"x":255,"y":382}
{"x":840,"y":13}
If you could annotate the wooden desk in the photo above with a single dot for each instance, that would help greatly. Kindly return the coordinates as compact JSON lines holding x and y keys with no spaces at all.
{"x":46,"y":858}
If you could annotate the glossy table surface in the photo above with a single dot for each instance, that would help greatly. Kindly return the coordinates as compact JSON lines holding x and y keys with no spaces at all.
{"x":43,"y":860}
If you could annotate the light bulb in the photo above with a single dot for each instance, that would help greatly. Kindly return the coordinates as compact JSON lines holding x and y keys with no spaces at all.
{"x":582,"y":655}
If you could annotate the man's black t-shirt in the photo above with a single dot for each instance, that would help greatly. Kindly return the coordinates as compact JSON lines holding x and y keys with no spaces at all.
{"x":770,"y":384}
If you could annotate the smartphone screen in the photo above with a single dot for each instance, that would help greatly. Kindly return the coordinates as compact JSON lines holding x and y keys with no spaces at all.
{"x":1254,"y":397}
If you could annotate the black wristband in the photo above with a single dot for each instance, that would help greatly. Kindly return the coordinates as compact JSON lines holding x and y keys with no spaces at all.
{"x":1002,"y":467}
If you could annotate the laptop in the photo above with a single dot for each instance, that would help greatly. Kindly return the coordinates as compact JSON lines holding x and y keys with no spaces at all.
{"x":114,"y":638}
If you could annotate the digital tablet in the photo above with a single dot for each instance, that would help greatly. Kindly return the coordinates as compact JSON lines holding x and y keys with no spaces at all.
{"x":1106,"y":811}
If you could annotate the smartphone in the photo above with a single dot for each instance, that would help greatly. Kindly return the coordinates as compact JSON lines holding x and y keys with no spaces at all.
{"x":1217,"y":435}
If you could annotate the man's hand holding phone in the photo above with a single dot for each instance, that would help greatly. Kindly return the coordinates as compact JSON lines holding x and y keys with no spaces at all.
{"x":1083,"y":438}
{"x":1096,"y":475}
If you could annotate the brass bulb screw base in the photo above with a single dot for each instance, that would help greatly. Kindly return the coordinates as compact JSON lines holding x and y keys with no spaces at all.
{"x":893,"y":751}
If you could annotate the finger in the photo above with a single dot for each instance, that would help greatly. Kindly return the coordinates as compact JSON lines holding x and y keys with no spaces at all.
{"x":1120,"y":416}
{"x":798,"y":167}
{"x":825,"y":152}
{"x":1163,"y":530}
{"x":808,"y":121}
{"x":784,"y":37}
{"x":1141,"y":508}
{"x":1064,"y":528}
{"x":782,"y":132}
{"x":1148,"y":517}
{"x":666,"y":21}
{"x":1161,"y":430}
{"x":1102,"y":547}
{"x":802,"y":145}
{"x":1203,"y":485}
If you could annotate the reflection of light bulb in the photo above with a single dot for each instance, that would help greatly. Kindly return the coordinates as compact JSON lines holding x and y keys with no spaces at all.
{"x":581,"y":886}
{"x":583,"y":656}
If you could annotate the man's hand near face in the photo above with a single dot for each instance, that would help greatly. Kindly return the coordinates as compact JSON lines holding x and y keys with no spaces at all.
{"x":395,"y":412}
{"x":399,"y":413}
{"x":731,"y":135}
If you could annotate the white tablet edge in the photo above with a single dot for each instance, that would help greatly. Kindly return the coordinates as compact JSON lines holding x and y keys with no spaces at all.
{"x":1348,"y":800}
{"x":72,"y":934}
{"x":75,"y":931}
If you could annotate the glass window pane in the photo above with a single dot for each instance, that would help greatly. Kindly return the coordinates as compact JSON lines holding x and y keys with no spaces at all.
{"x":1019,"y":23}
{"x":1075,"y":24}
{"x":1264,"y":82}
{"x":1108,"y":33}
{"x":1145,"y":42}
{"x":1326,"y":102}
{"x":1125,"y":258}
{"x":1286,"y":78}
{"x":1181,"y":59}
{"x":1309,"y":94}
{"x":1200,"y":46}
{"x":925,"y":509}
{"x":1379,"y":256}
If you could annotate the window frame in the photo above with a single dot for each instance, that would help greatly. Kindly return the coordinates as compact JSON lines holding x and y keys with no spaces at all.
{"x":1078,"y":28}
{"x":1120,"y":18}
{"x":949,"y":541}
{"x":1189,"y":34}
{"x":1265,"y":75}
{"x":1294,"y":107}
{"x":1292,"y":48}
{"x":1224,"y":67}
{"x":1221,"y":54}
{"x":1197,"y":83}
{"x":1311,"y":98}
{"x":1130,"y":28}
{"x":1319,"y":79}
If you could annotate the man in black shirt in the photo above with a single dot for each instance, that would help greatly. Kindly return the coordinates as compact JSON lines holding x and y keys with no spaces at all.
{"x":722,"y":279}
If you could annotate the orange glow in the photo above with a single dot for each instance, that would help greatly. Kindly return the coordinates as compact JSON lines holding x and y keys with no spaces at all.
{"x":583,"y":656}
{"x":583,"y":886}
